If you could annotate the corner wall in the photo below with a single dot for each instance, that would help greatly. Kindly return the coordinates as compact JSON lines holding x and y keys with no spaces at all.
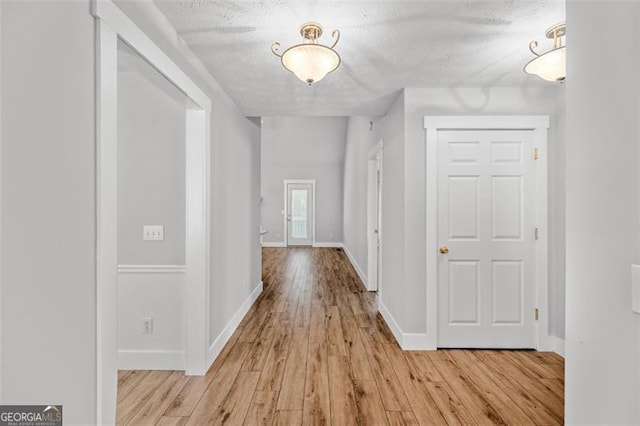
{"x":603,"y":196}
{"x":48,"y":207}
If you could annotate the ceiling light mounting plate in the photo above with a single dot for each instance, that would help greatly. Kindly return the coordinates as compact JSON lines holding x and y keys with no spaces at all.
{"x":311,"y":31}
{"x":556,"y":31}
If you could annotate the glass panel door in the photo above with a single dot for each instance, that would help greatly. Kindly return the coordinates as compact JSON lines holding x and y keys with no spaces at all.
{"x":299,"y":211}
{"x":299,"y":214}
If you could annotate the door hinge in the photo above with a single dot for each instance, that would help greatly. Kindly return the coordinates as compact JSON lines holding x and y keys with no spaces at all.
{"x":536,"y":233}
{"x":536,"y":314}
{"x":535,"y":153}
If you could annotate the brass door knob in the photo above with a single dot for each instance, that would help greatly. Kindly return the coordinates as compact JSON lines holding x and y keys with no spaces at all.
{"x":444,"y":250}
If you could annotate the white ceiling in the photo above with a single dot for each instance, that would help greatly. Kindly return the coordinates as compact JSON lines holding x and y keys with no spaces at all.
{"x":385,"y":46}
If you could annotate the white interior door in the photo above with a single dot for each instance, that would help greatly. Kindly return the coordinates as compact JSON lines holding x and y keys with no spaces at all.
{"x":299,"y":214}
{"x":486,"y":271}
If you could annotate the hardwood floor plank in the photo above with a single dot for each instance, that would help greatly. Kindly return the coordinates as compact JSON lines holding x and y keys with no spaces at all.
{"x":480,"y":377}
{"x":537,"y":370}
{"x":358,"y":361}
{"x":335,"y":338}
{"x":263,"y":408}
{"x":402,"y":418}
{"x":391,"y":392}
{"x":153,"y":409}
{"x":424,"y":365}
{"x":343,"y":404}
{"x":474,"y":402}
{"x":172,"y":421}
{"x":128,"y":380}
{"x":533,"y":391}
{"x":369,"y":404}
{"x":316,"y":395}
{"x":185,"y":402}
{"x":449,"y":404}
{"x":274,"y":365}
{"x":292,"y":391}
{"x":207,"y":409}
{"x":138,"y":397}
{"x":423,"y":405}
{"x":236,"y":405}
{"x":556,"y":386}
{"x":288,"y":418}
{"x":260,"y":350}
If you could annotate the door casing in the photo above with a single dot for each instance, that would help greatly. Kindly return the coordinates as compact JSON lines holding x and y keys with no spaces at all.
{"x":311,"y":182}
{"x":374,"y":218}
{"x":539,"y":125}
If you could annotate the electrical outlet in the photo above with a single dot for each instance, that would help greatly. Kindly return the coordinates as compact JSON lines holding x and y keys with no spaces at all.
{"x":147,"y":325}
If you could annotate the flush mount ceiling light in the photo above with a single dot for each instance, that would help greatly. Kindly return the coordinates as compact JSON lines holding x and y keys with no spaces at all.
{"x":550,"y":65}
{"x":310,"y":61}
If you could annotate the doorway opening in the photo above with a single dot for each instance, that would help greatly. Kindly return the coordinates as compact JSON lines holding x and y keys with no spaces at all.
{"x":113,"y":26}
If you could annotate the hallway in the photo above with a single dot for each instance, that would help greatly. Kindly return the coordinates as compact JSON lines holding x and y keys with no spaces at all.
{"x":314,"y":350}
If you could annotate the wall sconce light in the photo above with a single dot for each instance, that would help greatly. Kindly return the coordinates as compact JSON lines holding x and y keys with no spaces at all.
{"x":309,"y":60}
{"x":551,"y":65}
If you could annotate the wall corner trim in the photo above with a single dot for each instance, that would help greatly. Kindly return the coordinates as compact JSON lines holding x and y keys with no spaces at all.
{"x":232,"y":325}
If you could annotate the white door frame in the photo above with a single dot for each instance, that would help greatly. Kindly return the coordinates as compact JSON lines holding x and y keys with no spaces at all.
{"x":539,"y":125}
{"x":374,"y":213}
{"x":113,"y":24}
{"x":312,"y":182}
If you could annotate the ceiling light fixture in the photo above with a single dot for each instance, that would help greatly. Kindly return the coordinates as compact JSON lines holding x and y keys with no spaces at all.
{"x":310,"y":61}
{"x":550,"y":65}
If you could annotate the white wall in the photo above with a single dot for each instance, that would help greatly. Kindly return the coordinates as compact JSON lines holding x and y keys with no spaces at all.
{"x":603,"y":194}
{"x":235,"y":181}
{"x":151,"y":172}
{"x":48,"y":207}
{"x":360,"y":139}
{"x":151,"y":190}
{"x":303,"y":148}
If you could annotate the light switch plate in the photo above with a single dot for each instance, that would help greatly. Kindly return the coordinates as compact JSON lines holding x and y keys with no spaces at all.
{"x":635,"y":288}
{"x":153,"y":232}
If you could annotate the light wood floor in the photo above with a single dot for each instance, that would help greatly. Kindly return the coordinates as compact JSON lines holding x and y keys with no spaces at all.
{"x":314,"y":350}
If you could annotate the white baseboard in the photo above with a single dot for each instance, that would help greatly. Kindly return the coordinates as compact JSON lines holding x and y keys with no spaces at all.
{"x":357,"y":267}
{"x":558,"y":345}
{"x":151,"y":360}
{"x":232,"y":325}
{"x":407,"y":341}
{"x":276,"y":244}
{"x":391,"y":322}
{"x":329,"y":245}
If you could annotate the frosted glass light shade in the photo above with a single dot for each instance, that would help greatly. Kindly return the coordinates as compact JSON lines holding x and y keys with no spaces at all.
{"x":550,"y":66}
{"x":310,"y":62}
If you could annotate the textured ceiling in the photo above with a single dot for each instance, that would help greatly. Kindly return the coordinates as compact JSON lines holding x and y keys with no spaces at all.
{"x":385,"y":46}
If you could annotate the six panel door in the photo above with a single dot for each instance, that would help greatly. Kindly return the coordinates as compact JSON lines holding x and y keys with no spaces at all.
{"x":486,"y":271}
